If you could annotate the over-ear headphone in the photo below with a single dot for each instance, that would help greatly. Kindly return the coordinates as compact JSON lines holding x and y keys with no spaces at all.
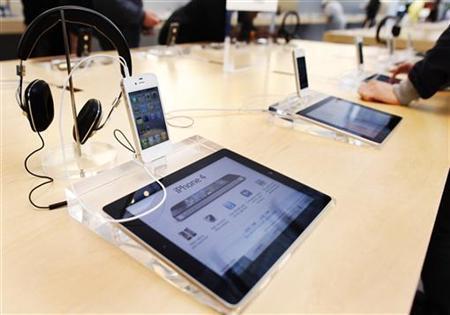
{"x":283,"y":32}
{"x":396,"y":29}
{"x":37,"y":104}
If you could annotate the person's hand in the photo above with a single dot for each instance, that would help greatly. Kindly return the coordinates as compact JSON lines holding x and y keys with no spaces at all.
{"x":150,"y":20}
{"x":377,"y":91}
{"x":401,"y":68}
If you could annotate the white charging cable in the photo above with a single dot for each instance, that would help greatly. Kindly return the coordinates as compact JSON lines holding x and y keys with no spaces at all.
{"x":122,"y":61}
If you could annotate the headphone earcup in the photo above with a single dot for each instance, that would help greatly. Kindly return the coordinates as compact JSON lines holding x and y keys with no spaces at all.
{"x":39,"y":105}
{"x":396,"y":30}
{"x":88,"y":120}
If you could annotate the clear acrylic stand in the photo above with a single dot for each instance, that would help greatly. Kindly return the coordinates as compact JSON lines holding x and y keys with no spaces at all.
{"x":351,"y":81}
{"x":233,"y":57}
{"x":95,"y":157}
{"x":284,"y":114}
{"x":87,"y":197}
{"x":168,"y":51}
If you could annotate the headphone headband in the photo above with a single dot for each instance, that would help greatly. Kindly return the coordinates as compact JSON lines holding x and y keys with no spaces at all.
{"x":283,"y":30}
{"x":76,"y":15}
{"x":395,"y":29}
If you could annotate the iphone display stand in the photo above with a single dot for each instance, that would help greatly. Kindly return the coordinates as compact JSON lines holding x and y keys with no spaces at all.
{"x":351,"y":80}
{"x":87,"y":197}
{"x":167,"y":51}
{"x":283,"y":114}
{"x":235,"y":59}
{"x":395,"y":56}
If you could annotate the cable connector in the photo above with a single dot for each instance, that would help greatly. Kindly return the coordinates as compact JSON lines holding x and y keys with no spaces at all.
{"x":57,"y":205}
{"x":20,"y":70}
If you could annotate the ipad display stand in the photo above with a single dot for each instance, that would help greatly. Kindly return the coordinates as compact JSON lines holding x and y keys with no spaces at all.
{"x":394,"y":56}
{"x":292,"y":104}
{"x":87,"y":197}
{"x":352,"y":80}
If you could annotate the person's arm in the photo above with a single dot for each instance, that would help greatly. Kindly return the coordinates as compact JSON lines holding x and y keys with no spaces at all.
{"x":405,"y":90}
{"x":433,"y":72}
{"x":377,"y":91}
{"x":425,"y":78}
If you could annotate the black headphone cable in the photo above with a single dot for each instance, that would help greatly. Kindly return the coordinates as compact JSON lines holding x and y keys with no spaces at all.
{"x":47,"y":178}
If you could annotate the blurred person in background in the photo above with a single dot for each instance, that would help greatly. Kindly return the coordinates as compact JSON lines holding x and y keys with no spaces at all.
{"x":205,"y":21}
{"x":129,"y":16}
{"x":51,"y":43}
{"x":334,"y":11}
{"x":199,"y":20}
{"x":372,"y":8}
{"x":434,"y":7}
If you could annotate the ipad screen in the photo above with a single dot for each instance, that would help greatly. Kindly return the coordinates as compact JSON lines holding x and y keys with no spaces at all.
{"x":224,"y":215}
{"x":362,"y":121}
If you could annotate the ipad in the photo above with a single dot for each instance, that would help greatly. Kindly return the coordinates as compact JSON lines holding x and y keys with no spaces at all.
{"x":226,"y":222}
{"x":365,"y":123}
{"x":382,"y":78}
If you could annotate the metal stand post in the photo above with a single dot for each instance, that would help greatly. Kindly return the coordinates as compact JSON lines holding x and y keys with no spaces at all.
{"x":72,"y":93}
{"x":227,"y":58}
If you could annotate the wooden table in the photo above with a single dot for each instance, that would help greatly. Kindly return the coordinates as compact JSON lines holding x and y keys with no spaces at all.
{"x":310,"y":18}
{"x":423,"y":35}
{"x":12,"y":25}
{"x":365,"y":255}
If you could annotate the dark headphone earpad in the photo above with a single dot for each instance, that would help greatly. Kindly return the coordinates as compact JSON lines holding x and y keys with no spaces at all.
{"x":39,"y":105}
{"x":396,"y":30}
{"x":88,"y":120}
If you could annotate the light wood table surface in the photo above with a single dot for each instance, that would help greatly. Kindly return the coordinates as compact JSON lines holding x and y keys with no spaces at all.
{"x":365,"y":255}
{"x":423,"y":35}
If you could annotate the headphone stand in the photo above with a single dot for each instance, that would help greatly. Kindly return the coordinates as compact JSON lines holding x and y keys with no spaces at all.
{"x":69,"y":157}
{"x":77,"y":163}
{"x":96,"y":157}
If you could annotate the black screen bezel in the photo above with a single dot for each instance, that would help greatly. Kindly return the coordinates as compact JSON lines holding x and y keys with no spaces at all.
{"x":379,"y":138}
{"x":230,"y":288}
{"x":301,"y":61}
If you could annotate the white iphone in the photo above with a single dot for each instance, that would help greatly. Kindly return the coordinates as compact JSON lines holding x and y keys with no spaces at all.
{"x":301,"y":74}
{"x":146,"y":115}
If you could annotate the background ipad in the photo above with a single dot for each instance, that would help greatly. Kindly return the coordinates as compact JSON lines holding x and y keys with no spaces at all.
{"x":360,"y":120}
{"x":382,"y":78}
